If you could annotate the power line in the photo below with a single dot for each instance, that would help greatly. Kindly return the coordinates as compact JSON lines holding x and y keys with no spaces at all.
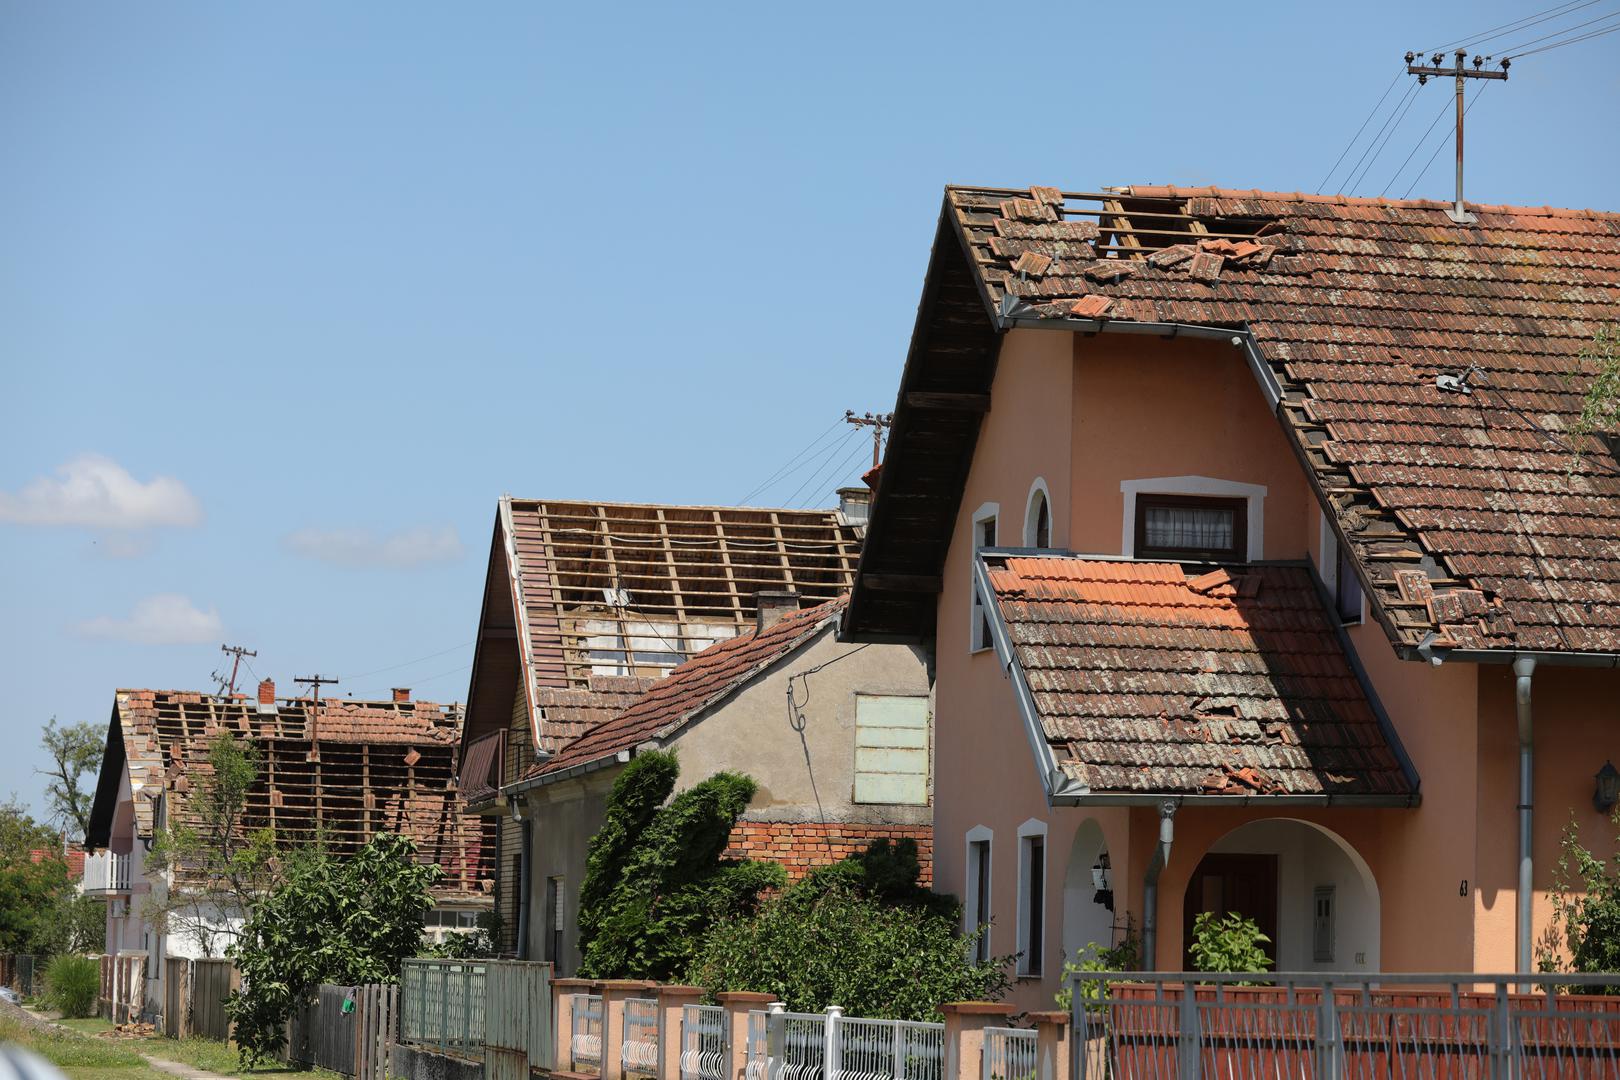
{"x":1444,"y":105}
{"x":408,"y":663}
{"x":1387,"y":132}
{"x":788,"y":468}
{"x":1525,"y":23}
{"x":1571,"y":41}
{"x":1513,"y":51}
{"x":1437,"y":146}
{"x":1354,"y":138}
{"x":841,"y":469}
{"x":852,"y":436}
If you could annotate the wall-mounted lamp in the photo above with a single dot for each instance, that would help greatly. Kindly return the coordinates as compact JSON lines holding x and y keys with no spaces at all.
{"x":1104,"y":888}
{"x":1607,"y":792}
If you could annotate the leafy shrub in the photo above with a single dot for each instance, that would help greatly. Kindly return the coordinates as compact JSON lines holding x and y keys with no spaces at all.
{"x":1585,"y":930}
{"x":655,"y":883}
{"x":862,"y":934}
{"x":1229,"y":942}
{"x":1126,"y":956}
{"x":72,"y":985}
{"x":347,"y":921}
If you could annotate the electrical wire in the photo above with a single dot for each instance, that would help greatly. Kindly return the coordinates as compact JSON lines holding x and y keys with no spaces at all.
{"x":1421,"y":140}
{"x":408,"y":663}
{"x":1387,"y":133}
{"x":1525,"y":23}
{"x":1430,"y":163}
{"x":827,"y":479}
{"x":1571,"y":41}
{"x":787,"y":469}
{"x":1513,"y":53}
{"x":821,"y":465}
{"x":1357,"y":136}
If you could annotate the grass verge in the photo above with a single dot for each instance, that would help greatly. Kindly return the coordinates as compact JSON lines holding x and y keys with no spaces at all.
{"x":80,"y":1056}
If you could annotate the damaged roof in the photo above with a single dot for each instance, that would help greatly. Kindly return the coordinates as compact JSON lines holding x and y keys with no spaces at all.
{"x":1162,"y":679}
{"x":1469,"y":514}
{"x":694,"y":688}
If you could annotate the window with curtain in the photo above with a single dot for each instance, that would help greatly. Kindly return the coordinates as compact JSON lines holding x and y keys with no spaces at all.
{"x":1186,"y":526}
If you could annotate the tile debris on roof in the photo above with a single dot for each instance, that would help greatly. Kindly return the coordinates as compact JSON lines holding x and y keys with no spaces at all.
{"x":566,"y":713}
{"x":1467,"y":511}
{"x":1154,"y":678}
{"x":696,"y":685}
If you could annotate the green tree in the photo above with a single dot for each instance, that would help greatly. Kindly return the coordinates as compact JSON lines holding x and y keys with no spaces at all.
{"x":1600,"y":401}
{"x":861,"y":934}
{"x":655,"y":881}
{"x":75,"y":754}
{"x":1584,"y":934}
{"x":218,"y":862}
{"x":1228,"y":942}
{"x":32,"y":889}
{"x":348,"y":921}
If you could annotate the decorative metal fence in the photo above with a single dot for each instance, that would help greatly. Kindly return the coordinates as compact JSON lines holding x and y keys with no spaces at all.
{"x":832,"y":1046}
{"x":585,"y":1041}
{"x":442,"y":1005}
{"x":1320,"y":1026}
{"x":799,"y":1046}
{"x":1009,"y":1054}
{"x":638,"y":1051}
{"x":758,"y":1060}
{"x":705,"y":1042}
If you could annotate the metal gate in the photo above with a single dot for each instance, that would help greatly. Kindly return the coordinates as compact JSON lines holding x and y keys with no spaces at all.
{"x":517,"y":1019}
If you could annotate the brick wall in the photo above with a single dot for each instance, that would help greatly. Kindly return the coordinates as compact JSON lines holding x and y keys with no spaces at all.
{"x":801,"y":846}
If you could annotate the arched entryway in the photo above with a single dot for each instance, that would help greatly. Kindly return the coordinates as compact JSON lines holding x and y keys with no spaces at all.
{"x":1088,"y":914}
{"x":1309,"y":890}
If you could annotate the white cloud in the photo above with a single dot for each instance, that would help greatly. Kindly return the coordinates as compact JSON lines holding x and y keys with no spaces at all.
{"x":98,"y":493}
{"x":164,"y":619}
{"x":363,"y":548}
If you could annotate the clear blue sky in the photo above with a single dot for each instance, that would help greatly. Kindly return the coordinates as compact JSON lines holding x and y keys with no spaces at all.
{"x":292,"y":290}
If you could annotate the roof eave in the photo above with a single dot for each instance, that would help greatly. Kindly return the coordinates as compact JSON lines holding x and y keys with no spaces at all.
{"x":1083,"y":797}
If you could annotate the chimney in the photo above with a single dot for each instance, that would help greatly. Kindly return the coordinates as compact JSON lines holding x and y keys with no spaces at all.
{"x":402,"y":694}
{"x":267,"y":691}
{"x":770,"y":605}
{"x":855,"y":505}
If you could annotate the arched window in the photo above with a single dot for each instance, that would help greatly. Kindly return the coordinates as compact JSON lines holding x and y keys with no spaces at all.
{"x":1038,"y":518}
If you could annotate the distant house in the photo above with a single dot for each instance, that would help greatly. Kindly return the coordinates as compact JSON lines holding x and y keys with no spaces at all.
{"x":1261,"y":574}
{"x":837,"y":737}
{"x":586,"y":606}
{"x":348,"y":769}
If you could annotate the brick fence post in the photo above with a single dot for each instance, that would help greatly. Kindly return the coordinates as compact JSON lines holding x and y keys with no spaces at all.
{"x":614,"y":993}
{"x":738,"y":1003}
{"x":1051,"y":1045}
{"x":672,"y":1003}
{"x":965,"y":1022}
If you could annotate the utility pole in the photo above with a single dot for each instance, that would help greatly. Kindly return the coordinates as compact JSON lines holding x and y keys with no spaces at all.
{"x":314,"y":682}
{"x":1458,"y":212}
{"x":237,"y":652}
{"x":878,"y":422}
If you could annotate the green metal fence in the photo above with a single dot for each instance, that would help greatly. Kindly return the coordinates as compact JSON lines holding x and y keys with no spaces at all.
{"x":442,"y":1005}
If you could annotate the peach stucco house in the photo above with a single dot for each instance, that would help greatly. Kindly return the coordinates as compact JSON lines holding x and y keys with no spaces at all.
{"x":1249,"y":537}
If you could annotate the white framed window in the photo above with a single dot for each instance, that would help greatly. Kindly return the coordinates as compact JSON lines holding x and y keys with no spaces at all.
{"x":1252,"y":528}
{"x":1340,"y":577}
{"x":1038,"y":516}
{"x":1031,"y":898}
{"x":976,"y":903}
{"x":985,"y":520}
{"x":891,"y":749}
{"x":1322,"y":924}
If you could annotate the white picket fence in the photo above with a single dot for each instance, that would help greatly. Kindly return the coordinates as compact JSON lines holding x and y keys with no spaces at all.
{"x":831,"y":1046}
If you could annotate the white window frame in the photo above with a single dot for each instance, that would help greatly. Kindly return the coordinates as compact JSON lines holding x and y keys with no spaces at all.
{"x":1039,"y":488}
{"x":978,"y":640}
{"x":979,"y":834}
{"x":1328,"y":545}
{"x":1029,"y":830}
{"x":1255,"y":494}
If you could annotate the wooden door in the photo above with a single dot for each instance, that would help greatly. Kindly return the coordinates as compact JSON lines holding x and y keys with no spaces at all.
{"x":1246,"y":884}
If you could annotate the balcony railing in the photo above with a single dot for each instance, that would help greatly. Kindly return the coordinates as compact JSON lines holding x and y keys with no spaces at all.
{"x":106,"y":873}
{"x":482,"y":766}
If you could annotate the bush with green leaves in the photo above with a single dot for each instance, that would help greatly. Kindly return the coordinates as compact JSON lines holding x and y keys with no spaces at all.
{"x":862,"y":934}
{"x":1228,"y":943}
{"x":1584,"y":935}
{"x":72,"y":985}
{"x":655,"y":882}
{"x":1125,"y":956}
{"x":338,"y":920}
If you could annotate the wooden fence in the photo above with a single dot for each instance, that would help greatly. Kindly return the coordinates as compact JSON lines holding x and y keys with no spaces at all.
{"x":22,"y":973}
{"x":194,"y":993}
{"x":517,"y":1019}
{"x":346,"y":1029}
{"x":123,"y":987}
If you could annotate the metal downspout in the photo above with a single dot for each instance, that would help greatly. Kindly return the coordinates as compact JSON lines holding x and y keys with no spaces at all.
{"x":1523,"y":669}
{"x":1150,"y":886}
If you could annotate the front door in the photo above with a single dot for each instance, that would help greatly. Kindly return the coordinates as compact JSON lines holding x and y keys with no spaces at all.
{"x":1246,"y":884}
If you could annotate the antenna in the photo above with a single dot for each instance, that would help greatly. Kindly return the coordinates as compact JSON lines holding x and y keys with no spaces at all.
{"x":1458,"y":212}
{"x":878,"y":422}
{"x":227,"y":687}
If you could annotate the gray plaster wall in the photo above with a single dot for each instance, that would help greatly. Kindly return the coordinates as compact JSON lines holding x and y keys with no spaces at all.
{"x":565,"y":816}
